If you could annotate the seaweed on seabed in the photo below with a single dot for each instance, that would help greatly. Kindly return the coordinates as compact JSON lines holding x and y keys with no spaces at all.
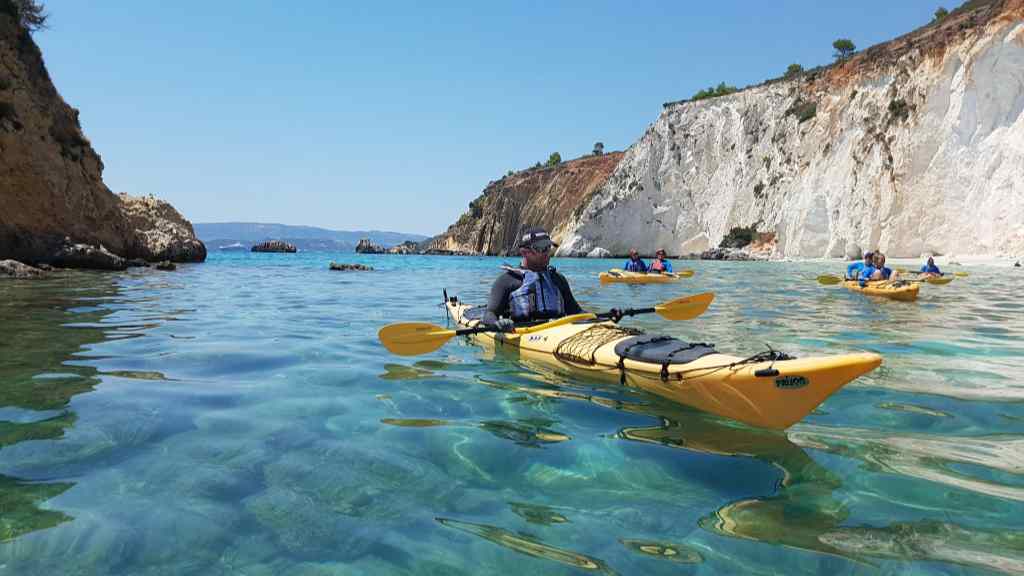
{"x":19,"y":502}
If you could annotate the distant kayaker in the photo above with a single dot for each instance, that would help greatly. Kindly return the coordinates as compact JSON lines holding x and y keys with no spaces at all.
{"x":877,"y":270}
{"x":660,"y":264}
{"x":534,"y":291}
{"x":853,"y":270}
{"x":930,"y":269}
{"x":634,"y":264}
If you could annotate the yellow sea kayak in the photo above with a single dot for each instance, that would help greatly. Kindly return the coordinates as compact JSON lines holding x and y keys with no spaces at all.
{"x":623,"y":276}
{"x":759,"y":390}
{"x":905,"y":291}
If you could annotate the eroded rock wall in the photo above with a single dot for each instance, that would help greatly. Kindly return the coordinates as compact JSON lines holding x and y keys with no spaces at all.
{"x":52,"y":194}
{"x":537,"y":197}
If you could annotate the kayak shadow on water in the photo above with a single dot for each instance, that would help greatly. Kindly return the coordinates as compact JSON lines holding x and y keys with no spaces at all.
{"x":803,"y":511}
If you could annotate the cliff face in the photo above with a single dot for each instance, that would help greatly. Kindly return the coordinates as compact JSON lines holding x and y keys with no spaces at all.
{"x":538,"y":197}
{"x":912,"y":146}
{"x":52,"y":193}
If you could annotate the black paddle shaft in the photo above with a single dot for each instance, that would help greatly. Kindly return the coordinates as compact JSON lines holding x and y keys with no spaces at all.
{"x":616,"y":315}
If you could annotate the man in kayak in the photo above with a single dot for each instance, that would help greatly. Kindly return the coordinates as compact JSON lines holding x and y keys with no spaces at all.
{"x":853,"y":270}
{"x":877,"y":270}
{"x":534,"y":291}
{"x":930,"y":269}
{"x":634,"y":264}
{"x":660,"y":264}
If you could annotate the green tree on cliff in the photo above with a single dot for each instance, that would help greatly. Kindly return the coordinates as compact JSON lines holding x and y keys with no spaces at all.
{"x":30,"y":13}
{"x":555,"y":159}
{"x":722,"y":89}
{"x":793,"y":71}
{"x":598,"y":148}
{"x":940,"y":13}
{"x":844,"y":48}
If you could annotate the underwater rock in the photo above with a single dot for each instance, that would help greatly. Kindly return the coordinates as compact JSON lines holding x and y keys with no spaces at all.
{"x":166,"y":265}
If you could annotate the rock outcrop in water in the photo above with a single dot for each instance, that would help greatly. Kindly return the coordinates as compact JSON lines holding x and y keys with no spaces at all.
{"x":274,"y":246}
{"x":545,"y":196}
{"x":913,"y":146}
{"x":55,"y":206}
{"x":350,"y":267}
{"x":365,"y":246}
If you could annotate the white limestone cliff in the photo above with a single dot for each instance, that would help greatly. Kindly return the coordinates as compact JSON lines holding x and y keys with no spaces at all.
{"x":914,"y":146}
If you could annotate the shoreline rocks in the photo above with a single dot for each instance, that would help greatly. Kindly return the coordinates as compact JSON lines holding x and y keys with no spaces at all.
{"x":407,"y":247}
{"x":15,"y":269}
{"x":274,"y":246}
{"x":731,"y":254}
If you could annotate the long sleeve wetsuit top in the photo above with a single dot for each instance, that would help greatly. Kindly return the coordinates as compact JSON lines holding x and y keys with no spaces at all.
{"x":506,"y":284}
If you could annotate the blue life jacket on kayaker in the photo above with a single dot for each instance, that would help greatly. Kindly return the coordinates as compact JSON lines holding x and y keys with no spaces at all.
{"x":634,"y":266}
{"x":538,"y":297}
{"x":868,"y":271}
{"x":933,"y":269}
{"x":853,"y":270}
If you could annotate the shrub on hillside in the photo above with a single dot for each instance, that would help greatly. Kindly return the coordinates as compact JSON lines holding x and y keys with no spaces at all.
{"x":803,"y":110}
{"x":899,"y":109}
{"x":555,"y":159}
{"x":738,"y":237}
{"x":715,"y":91}
{"x":940,"y":13}
{"x":30,"y":13}
{"x":793,"y":70}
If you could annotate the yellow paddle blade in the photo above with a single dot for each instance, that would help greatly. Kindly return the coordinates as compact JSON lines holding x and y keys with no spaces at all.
{"x":685,"y":308}
{"x":685,"y":273}
{"x":412,"y":338}
{"x":829,"y":279}
{"x":960,"y":274}
{"x":939,"y":280}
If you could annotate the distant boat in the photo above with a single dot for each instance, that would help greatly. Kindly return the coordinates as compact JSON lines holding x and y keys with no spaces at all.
{"x":235,"y":246}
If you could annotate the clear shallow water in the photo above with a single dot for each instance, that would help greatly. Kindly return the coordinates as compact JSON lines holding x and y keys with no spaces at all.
{"x":240,"y":417}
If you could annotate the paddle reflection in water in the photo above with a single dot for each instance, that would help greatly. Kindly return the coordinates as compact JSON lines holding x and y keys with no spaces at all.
{"x":528,"y":545}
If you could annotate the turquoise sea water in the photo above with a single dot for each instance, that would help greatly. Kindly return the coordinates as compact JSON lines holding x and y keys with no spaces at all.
{"x":240,"y":417}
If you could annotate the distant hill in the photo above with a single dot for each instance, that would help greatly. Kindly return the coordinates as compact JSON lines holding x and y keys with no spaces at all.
{"x":242,"y":235}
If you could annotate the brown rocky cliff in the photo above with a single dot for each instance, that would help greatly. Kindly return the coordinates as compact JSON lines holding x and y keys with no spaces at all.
{"x":51,"y":187}
{"x":536,"y":197}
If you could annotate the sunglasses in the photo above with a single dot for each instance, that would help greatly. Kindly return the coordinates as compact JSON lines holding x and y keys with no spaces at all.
{"x":543,"y":250}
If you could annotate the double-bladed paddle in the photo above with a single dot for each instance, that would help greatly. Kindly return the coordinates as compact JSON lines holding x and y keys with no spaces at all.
{"x":830,"y":279}
{"x":413,"y":338}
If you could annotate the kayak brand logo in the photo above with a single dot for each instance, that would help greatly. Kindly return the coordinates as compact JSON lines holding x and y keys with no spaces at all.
{"x":536,"y":338}
{"x":790,"y":382}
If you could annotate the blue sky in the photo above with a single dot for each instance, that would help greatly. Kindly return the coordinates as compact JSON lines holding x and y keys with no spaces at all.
{"x":395,"y":115}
